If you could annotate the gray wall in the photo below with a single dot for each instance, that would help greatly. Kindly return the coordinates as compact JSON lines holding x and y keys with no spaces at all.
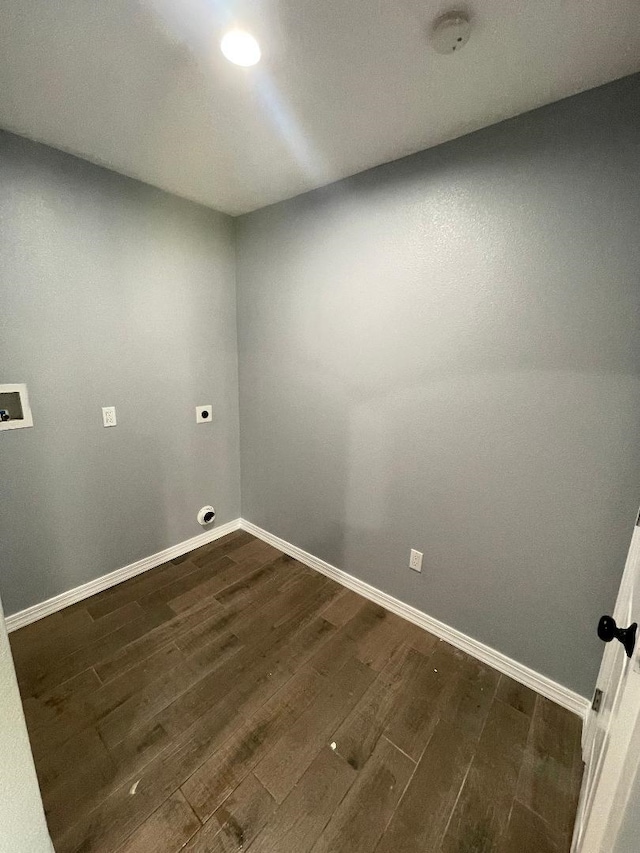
{"x":444,"y":353}
{"x":22,"y":823}
{"x":112,"y":293}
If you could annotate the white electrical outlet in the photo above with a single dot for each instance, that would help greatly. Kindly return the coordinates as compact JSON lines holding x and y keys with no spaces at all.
{"x":415,"y":560}
{"x":204,"y":414}
{"x":109,"y":416}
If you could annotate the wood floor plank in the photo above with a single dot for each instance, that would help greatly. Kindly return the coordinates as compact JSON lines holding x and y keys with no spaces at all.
{"x":377,"y":634}
{"x":483,"y":808}
{"x":256,"y":549}
{"x":37,"y":638}
{"x":466,"y":704}
{"x":424,"y":642}
{"x":210,"y":625}
{"x":551,"y":774}
{"x":286,"y":656}
{"x":243,"y":575}
{"x":82,"y":746}
{"x":143,"y":754}
{"x":84,"y":710}
{"x":246,"y":682}
{"x":134,"y":589}
{"x":34,"y":630}
{"x":164,"y":690}
{"x":167,"y":830}
{"x":251,"y":677}
{"x":139,"y":586}
{"x":223,"y":545}
{"x":236,"y":687}
{"x":39,"y":680}
{"x":472,"y":669}
{"x":262,"y":581}
{"x":97,"y":629}
{"x":55,"y":764}
{"x":336,"y":653}
{"x":190,"y":579}
{"x":76,"y":797}
{"x":357,"y":736}
{"x":119,"y":813}
{"x":62,"y":647}
{"x":139,"y":749}
{"x":168,"y":630}
{"x":235,"y":823}
{"x":528,"y":833}
{"x":287,"y":762}
{"x":286,"y":610}
{"x":298,"y":822}
{"x":208,"y":787}
{"x":114,"y":818}
{"x":517,"y":695}
{"x":555,"y":731}
{"x":78,"y":789}
{"x":417,"y":706}
{"x":113,"y":693}
{"x":344,"y":608}
{"x":373,"y":635}
{"x":421,"y":817}
{"x":363,"y":815}
{"x":222,"y":548}
{"x":44,"y":712}
{"x":233,"y":609}
{"x":448,"y":660}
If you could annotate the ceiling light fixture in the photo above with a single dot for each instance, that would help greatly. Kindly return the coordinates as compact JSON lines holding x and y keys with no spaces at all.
{"x":450,"y":32}
{"x":240,"y":48}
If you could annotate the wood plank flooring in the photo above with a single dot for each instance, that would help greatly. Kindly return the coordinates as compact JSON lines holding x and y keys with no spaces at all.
{"x":235,"y":700}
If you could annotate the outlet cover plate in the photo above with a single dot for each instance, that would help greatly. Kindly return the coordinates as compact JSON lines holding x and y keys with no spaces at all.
{"x":415,"y":560}
{"x":204,"y":414}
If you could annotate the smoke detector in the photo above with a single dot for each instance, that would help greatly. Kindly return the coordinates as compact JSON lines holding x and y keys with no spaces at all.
{"x":450,"y":32}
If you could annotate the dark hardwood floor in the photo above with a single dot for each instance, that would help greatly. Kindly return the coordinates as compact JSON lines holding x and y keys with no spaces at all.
{"x":236,"y":700}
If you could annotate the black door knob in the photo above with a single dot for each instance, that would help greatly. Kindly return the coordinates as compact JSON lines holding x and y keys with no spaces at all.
{"x":608,"y":630}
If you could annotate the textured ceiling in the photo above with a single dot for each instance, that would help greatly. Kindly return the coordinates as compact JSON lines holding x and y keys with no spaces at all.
{"x":141,"y":86}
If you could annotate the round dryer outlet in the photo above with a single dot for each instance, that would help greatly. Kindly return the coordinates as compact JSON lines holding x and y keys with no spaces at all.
{"x":206,"y":515}
{"x":450,"y":32}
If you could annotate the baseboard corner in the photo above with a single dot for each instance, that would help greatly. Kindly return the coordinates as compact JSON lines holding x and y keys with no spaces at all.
{"x":541,"y":684}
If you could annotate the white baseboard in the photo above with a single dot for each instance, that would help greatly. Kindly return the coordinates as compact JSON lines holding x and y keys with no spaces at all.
{"x":519,"y":672}
{"x":51,"y":605}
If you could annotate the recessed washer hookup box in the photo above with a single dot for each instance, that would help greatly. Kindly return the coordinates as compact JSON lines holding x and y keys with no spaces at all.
{"x":15,"y":411}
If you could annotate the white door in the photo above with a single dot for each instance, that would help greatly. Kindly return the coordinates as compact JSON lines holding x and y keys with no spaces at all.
{"x":611,"y":743}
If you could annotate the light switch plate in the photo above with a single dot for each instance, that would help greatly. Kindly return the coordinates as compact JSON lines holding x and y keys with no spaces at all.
{"x":204,"y":414}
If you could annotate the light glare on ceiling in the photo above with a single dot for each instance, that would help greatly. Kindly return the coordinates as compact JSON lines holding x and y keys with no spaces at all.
{"x":240,"y":48}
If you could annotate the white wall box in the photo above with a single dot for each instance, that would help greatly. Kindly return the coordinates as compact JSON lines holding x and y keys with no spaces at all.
{"x":204,"y":414}
{"x":15,"y":411}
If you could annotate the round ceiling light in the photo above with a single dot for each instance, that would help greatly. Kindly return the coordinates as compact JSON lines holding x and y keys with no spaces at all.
{"x":240,"y":48}
{"x":451,"y":32}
